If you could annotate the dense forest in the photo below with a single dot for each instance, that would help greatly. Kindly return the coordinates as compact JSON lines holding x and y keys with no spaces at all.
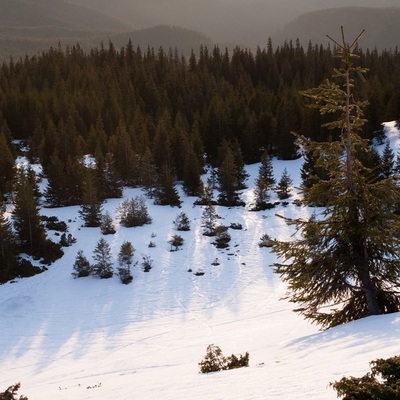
{"x":150,"y":118}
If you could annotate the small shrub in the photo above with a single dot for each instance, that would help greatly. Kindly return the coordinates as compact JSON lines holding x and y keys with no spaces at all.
{"x":147,"y":263}
{"x":215,"y":361}
{"x":266,"y":241}
{"x":234,"y":362}
{"x":297,"y":202}
{"x":176,"y":242}
{"x":107,"y":224}
{"x":236,"y":226}
{"x":125,"y":275}
{"x":383,"y":382}
{"x":182,"y":222}
{"x":52,"y":251}
{"x":151,"y":244}
{"x":67,"y":240}
{"x":222,"y":238}
{"x":81,"y":266}
{"x":53,"y":224}
{"x":133,"y":212}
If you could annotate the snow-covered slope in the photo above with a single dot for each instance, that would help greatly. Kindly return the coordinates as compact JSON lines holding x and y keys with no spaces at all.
{"x":87,"y":338}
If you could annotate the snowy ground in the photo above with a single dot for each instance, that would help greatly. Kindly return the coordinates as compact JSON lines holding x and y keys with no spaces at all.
{"x":87,"y":338}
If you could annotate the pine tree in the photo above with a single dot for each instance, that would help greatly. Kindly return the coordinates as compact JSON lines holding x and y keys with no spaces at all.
{"x":227,"y":181}
{"x":133,"y":212}
{"x":345,"y":263}
{"x":125,"y":257}
{"x":110,"y":185}
{"x":283,"y":188}
{"x":7,"y":164}
{"x":387,"y":160}
{"x":182,"y":222}
{"x":165,"y":192}
{"x":103,"y":260}
{"x":81,"y":265}
{"x":90,"y":210}
{"x":8,"y":250}
{"x":209,"y":219}
{"x":30,"y":232}
{"x":107,"y":224}
{"x":264,"y":182}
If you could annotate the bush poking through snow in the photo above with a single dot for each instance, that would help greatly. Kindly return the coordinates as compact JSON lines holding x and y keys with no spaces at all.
{"x":147,"y":263}
{"x":222,"y":237}
{"x":383,"y":382}
{"x":182,"y":222}
{"x":266,"y":241}
{"x":134,"y":212}
{"x":176,"y":241}
{"x":81,"y":266}
{"x":107,"y":224}
{"x":215,"y":361}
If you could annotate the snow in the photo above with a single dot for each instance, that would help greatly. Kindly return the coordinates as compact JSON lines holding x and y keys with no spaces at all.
{"x":97,"y":339}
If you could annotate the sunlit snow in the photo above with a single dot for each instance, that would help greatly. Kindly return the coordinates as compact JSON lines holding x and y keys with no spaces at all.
{"x":66,"y":338}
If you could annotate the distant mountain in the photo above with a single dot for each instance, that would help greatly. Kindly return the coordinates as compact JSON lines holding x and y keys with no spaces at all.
{"x":381,"y":24}
{"x":243,"y":22}
{"x":56,"y":13}
{"x":32,"y":26}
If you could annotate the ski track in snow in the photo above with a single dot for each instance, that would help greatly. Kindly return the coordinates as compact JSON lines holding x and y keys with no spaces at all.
{"x":97,"y":339}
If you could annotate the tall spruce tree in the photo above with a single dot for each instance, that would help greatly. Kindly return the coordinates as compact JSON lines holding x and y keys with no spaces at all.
{"x":388,"y":162}
{"x":30,"y":233}
{"x":91,"y":208}
{"x":228,"y":183}
{"x":103,"y":266}
{"x":8,"y":250}
{"x":345,"y":262}
{"x":265,"y":179}
{"x":283,"y":187}
{"x":7,"y":164}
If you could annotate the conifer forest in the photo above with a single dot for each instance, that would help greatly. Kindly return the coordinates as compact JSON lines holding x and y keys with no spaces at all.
{"x":152,"y":117}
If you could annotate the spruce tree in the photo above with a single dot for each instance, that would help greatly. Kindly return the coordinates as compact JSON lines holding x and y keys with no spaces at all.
{"x":103,"y":260}
{"x":8,"y":250}
{"x":387,"y":160}
{"x":107,"y":224}
{"x":110,"y":185}
{"x":165,"y":192}
{"x":264,"y":182}
{"x":345,"y":262}
{"x":182,"y":222}
{"x":90,"y":210}
{"x":133,"y":212}
{"x":81,"y":266}
{"x":228,"y":183}
{"x":7,"y":164}
{"x":283,"y":187}
{"x":125,"y":257}
{"x":30,"y":233}
{"x":209,"y":219}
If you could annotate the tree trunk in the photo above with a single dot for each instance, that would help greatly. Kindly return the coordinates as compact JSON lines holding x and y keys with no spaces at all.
{"x":369,"y":293}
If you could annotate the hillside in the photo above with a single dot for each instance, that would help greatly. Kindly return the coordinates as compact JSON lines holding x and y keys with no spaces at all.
{"x":31,"y":26}
{"x":381,"y":24}
{"x":95,"y":339}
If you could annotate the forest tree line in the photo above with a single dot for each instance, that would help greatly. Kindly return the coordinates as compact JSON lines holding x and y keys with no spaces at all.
{"x":151,"y":118}
{"x":73,"y":103}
